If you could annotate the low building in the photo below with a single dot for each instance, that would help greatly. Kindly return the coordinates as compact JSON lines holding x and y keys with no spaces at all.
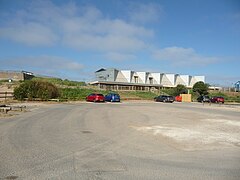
{"x":114,"y":79}
{"x":15,"y":75}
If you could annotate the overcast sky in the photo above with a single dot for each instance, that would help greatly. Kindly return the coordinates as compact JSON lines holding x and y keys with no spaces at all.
{"x":73,"y":39}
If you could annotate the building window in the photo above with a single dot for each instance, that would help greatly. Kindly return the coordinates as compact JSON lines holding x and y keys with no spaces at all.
{"x":150,"y":80}
{"x":136,"y":79}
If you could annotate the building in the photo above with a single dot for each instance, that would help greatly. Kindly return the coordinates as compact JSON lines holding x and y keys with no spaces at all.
{"x":15,"y":75}
{"x":237,"y":86}
{"x":114,"y":79}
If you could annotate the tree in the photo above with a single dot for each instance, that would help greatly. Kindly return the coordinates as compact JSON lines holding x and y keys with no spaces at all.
{"x":179,"y":89}
{"x":201,"y":88}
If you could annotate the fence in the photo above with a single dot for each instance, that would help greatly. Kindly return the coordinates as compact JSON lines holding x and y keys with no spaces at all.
{"x":6,"y":95}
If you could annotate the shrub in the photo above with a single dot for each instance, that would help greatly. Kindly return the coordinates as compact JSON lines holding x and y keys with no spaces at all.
{"x":36,"y":89}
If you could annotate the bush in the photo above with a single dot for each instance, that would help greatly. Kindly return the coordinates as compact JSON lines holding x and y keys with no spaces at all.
{"x":36,"y":89}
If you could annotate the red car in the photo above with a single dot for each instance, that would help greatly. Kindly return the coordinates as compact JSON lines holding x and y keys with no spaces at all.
{"x":217,"y":99}
{"x":178,"y":98}
{"x":95,"y":97}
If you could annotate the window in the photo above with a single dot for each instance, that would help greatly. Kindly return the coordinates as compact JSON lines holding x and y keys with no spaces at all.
{"x":150,"y":80}
{"x":136,"y":79}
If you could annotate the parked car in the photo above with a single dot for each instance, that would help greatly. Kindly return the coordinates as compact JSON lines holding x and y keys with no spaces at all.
{"x":178,"y":98}
{"x":95,"y":97}
{"x":112,"y":97}
{"x":164,"y":98}
{"x":203,"y":99}
{"x":217,"y":99}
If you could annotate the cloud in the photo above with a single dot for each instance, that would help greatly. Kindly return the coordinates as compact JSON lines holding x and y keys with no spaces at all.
{"x":45,"y":63}
{"x":179,"y":56}
{"x":145,"y":13}
{"x":104,"y":43}
{"x":33,"y":34}
{"x":113,"y":56}
{"x":84,"y":28}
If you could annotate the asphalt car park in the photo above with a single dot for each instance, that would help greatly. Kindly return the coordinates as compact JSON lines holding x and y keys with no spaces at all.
{"x":128,"y":140}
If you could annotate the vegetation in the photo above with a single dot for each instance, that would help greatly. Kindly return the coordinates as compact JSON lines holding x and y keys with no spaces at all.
{"x":3,"y":81}
{"x":200,"y":88}
{"x":36,"y":89}
{"x":50,"y":88}
{"x":81,"y":93}
{"x":137,"y":95}
{"x":176,"y":91}
{"x":180,"y":89}
{"x":58,"y":81}
{"x":228,"y":96}
{"x":77,"y":93}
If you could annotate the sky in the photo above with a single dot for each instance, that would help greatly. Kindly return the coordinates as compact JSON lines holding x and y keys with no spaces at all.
{"x":72,"y":39}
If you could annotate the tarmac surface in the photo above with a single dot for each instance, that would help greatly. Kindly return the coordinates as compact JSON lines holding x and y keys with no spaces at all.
{"x":129,"y":140}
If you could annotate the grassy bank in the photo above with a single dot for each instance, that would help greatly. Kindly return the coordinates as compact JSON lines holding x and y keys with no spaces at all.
{"x":60,"y":82}
{"x":81,"y":93}
{"x":74,"y":90}
{"x":228,"y":96}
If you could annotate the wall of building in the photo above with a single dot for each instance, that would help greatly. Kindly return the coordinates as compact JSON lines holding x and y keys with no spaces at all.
{"x":156,"y":78}
{"x":166,"y":80}
{"x":121,"y":77}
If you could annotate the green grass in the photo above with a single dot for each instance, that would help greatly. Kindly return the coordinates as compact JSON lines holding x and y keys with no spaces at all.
{"x":168,"y":91}
{"x":3,"y":82}
{"x":81,"y":93}
{"x":77,"y":93}
{"x":137,"y":95}
{"x":228,"y":97}
{"x":73,"y":90}
{"x":58,"y":81}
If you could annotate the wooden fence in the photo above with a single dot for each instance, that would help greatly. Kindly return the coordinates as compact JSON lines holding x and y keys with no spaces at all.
{"x":6,"y":95}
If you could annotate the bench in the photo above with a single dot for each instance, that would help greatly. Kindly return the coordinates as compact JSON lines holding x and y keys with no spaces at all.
{"x":5,"y":109}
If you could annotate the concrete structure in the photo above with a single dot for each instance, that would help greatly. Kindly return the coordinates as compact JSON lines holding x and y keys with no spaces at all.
{"x":133,"y":80}
{"x":15,"y":75}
